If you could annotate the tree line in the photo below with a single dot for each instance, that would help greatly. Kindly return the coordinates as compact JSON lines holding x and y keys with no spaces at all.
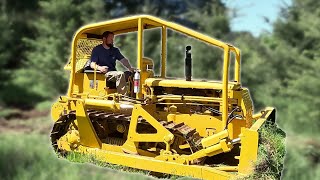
{"x":280,"y":68}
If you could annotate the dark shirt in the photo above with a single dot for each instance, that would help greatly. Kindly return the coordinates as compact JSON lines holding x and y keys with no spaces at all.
{"x":106,"y":57}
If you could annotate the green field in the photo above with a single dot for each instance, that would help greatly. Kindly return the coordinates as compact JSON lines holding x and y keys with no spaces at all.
{"x":30,"y":156}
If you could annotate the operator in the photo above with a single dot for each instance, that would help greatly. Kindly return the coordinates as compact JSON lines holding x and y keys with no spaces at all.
{"x":104,"y":57}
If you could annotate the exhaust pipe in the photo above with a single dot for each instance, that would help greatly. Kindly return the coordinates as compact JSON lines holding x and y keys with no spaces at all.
{"x":188,"y":64}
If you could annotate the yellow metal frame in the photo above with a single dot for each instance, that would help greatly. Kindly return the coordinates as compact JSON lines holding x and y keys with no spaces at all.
{"x":139,"y":23}
{"x":88,"y":136}
{"x":163,"y":50}
{"x":162,"y":134}
{"x":152,"y":164}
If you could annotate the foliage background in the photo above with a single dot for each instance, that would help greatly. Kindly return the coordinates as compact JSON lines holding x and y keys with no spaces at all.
{"x":280,"y":68}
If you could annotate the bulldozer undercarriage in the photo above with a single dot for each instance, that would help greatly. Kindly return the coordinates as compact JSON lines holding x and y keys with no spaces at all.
{"x":186,"y":156}
{"x":186,"y":141}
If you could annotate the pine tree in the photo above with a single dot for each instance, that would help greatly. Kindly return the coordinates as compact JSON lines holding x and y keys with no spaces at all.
{"x":15,"y":24}
{"x":50,"y":50}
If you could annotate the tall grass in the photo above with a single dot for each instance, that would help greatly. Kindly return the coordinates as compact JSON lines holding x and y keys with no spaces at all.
{"x":271,"y":153}
{"x":303,"y":158}
{"x":291,"y":158}
{"x":83,"y":158}
{"x":25,"y":157}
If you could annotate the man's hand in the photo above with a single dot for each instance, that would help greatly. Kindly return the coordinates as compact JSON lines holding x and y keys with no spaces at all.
{"x":103,"y":69}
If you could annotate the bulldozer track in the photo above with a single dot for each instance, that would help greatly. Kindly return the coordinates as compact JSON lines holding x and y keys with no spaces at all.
{"x":61,"y":127}
{"x":191,"y":136}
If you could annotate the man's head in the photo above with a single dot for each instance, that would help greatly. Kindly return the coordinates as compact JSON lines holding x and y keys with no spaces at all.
{"x":107,"y":38}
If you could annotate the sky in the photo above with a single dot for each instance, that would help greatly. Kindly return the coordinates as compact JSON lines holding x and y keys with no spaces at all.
{"x":251,"y":14}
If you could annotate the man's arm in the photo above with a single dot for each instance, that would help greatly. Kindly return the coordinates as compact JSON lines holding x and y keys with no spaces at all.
{"x":126,"y":63}
{"x":94,"y":60}
{"x":103,"y":69}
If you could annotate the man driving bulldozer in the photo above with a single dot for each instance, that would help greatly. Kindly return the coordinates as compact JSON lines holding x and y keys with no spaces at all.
{"x":103,"y":58}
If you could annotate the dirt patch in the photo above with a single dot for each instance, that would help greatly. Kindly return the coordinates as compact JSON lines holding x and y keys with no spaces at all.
{"x":6,"y":126}
{"x":24,"y":114}
{"x":25,"y":121}
{"x":16,"y":127}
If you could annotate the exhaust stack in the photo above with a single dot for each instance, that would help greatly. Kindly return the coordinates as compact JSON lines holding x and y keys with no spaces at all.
{"x":188,"y":64}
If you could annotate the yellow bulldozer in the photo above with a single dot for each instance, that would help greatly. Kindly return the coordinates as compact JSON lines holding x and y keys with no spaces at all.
{"x":187,"y":127}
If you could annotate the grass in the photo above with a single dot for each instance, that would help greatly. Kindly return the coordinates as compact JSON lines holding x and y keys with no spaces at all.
{"x":5,"y":113}
{"x":29,"y":156}
{"x":296,"y":157}
{"x":85,"y":158}
{"x":302,"y":158}
{"x":44,"y":105}
{"x":271,"y":153}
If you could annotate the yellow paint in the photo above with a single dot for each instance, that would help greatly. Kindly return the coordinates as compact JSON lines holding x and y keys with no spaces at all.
{"x":214,"y":139}
{"x":249,"y":150}
{"x":140,"y":52}
{"x":88,"y":136}
{"x":189,"y":84}
{"x":163,"y":51}
{"x":225,"y":81}
{"x":161,"y":135}
{"x":262,"y":118}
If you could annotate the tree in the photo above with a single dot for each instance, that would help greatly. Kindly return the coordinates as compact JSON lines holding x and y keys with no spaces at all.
{"x":283,"y":67}
{"x":299,"y":30}
{"x":50,"y":49}
{"x":15,"y":24}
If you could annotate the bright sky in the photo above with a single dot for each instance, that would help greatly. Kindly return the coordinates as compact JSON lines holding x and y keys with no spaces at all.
{"x":251,"y":13}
